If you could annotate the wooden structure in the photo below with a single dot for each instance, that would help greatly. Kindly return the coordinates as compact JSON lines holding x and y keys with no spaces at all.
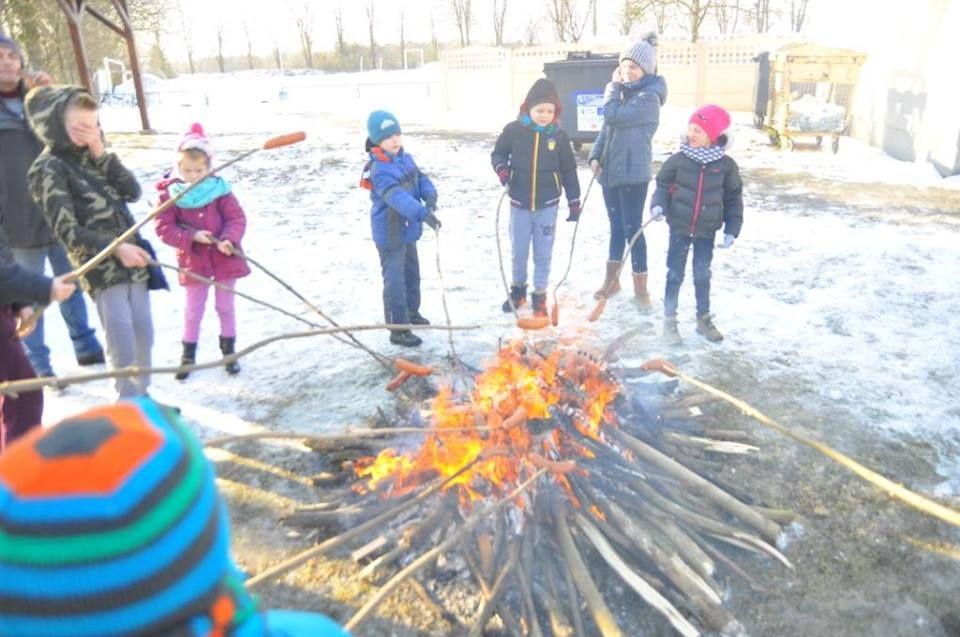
{"x":809,"y":69}
{"x":75,"y":11}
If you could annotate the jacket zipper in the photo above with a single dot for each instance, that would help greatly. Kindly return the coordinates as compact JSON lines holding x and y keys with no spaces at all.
{"x":698,"y":202}
{"x":533,"y":171}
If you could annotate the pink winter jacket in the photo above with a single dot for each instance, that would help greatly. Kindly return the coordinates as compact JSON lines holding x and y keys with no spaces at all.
{"x":223,"y":217}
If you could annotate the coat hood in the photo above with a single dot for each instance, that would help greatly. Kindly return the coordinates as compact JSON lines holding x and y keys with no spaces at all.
{"x":45,"y":107}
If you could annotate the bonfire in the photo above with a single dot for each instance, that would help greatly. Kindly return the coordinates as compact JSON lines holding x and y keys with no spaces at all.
{"x":539,"y":476}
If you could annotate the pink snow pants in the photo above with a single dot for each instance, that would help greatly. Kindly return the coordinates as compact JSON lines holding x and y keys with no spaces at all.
{"x":196,"y":303}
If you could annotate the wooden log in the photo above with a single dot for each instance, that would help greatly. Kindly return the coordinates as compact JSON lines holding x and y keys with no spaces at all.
{"x":710,"y":444}
{"x":497,"y":606}
{"x":726,"y":561}
{"x":780,"y":516}
{"x":524,"y":572}
{"x":769,"y":529}
{"x":602,"y":616}
{"x":369,"y":548}
{"x":371,"y":604}
{"x":634,"y":581}
{"x":494,"y":594}
{"x":434,"y":604}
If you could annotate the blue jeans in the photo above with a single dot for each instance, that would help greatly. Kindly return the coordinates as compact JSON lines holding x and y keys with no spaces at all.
{"x":400,"y":268}
{"x":538,"y":227}
{"x":73,"y":310}
{"x":625,"y":210}
{"x":677,"y":263}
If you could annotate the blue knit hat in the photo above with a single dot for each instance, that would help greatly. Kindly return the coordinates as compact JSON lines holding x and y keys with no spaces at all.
{"x":11,"y":44}
{"x":381,"y":125}
{"x":643,"y":52}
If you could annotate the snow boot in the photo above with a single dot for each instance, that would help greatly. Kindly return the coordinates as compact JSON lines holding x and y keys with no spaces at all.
{"x":415,"y":318}
{"x":709,"y":331}
{"x":405,"y":338}
{"x":539,"y":303}
{"x":226,"y":347}
{"x":189,"y":357}
{"x":93,"y":358}
{"x":518,"y":298}
{"x":611,"y":283}
{"x":671,"y":335}
{"x":640,"y":292}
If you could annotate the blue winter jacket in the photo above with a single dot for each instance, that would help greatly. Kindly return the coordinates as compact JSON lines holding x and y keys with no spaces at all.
{"x":631,"y":115}
{"x":402,"y":196}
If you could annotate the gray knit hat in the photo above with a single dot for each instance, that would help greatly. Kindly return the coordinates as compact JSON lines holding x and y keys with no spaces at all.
{"x":643,"y":52}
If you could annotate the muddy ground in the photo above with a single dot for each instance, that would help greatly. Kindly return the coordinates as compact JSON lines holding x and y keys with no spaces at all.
{"x":857,"y":571}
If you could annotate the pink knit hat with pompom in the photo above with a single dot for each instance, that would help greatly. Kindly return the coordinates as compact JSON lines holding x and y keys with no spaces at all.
{"x":196,"y":138}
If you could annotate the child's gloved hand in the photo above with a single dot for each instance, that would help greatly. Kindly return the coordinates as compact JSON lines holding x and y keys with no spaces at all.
{"x":503,"y":173}
{"x":432,"y":221}
{"x":656,"y":213}
{"x":728,"y":240}
{"x":575,"y":210}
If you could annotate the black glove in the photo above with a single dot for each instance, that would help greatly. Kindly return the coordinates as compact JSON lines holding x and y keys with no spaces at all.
{"x":432,"y":221}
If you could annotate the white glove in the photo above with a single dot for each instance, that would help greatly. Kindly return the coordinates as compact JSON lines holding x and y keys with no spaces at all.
{"x":728,"y":240}
{"x":656,"y":213}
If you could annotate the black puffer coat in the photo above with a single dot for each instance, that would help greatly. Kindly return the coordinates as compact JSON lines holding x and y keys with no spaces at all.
{"x":698,"y":199}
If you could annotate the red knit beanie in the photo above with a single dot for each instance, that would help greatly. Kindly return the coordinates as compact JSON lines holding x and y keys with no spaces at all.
{"x":713,"y":119}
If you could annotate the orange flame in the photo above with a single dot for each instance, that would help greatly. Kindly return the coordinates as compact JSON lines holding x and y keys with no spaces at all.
{"x":518,"y":387}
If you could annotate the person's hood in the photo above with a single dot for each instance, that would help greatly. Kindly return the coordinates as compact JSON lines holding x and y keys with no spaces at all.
{"x":45,"y":107}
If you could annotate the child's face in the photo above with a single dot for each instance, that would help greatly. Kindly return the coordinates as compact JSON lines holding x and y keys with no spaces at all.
{"x":697,"y":137}
{"x":82,"y":125}
{"x":629,"y":71}
{"x":391,"y":144}
{"x":193,"y":170}
{"x":543,"y":114}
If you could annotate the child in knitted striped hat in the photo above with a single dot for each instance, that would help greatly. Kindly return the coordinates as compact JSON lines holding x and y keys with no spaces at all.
{"x":111,"y":524}
{"x":699,"y":191}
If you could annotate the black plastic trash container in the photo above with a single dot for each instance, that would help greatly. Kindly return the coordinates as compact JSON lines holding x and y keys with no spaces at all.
{"x":580,"y":80}
{"x":761,"y":88}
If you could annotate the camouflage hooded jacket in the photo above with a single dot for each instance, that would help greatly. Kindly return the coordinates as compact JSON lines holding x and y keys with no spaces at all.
{"x":70,"y":187}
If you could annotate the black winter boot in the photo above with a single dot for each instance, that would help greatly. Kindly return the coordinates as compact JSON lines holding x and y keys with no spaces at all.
{"x":189,"y":357}
{"x":518,"y":298}
{"x":406,"y":338}
{"x":226,"y":347}
{"x":539,"y":303}
{"x":416,"y":318}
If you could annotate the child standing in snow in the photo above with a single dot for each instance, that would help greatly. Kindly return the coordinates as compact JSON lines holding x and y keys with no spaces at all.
{"x":621,"y":158}
{"x":205,"y":226}
{"x":534,"y":159}
{"x":403,"y":199}
{"x":699,"y":190}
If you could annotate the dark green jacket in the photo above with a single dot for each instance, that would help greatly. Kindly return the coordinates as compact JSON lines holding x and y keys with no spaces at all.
{"x":62,"y":181}
{"x":698,"y":199}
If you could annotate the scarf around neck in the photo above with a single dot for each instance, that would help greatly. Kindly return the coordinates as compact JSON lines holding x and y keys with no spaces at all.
{"x":527,"y":121}
{"x":206,"y":191}
{"x":703,"y":155}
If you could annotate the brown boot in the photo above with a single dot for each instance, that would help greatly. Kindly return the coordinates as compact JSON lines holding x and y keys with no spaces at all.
{"x":611,"y":284}
{"x":640,"y":292}
{"x":709,"y":331}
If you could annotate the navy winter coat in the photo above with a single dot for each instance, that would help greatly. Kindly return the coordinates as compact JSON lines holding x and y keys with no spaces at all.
{"x":631,"y":115}
{"x":698,"y":199}
{"x":401,"y":196}
{"x":541,"y":165}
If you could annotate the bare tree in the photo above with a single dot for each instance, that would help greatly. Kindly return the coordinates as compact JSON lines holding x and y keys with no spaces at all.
{"x":631,"y":12}
{"x":338,"y":25}
{"x":304,"y":26}
{"x":728,"y":15}
{"x":569,"y":20}
{"x":246,"y":32}
{"x":277,"y":56}
{"x":187,"y":36}
{"x":531,"y":32}
{"x":463,"y":18}
{"x":371,"y":13}
{"x":661,"y":13}
{"x":761,"y":14}
{"x":798,"y":14}
{"x":403,"y":40}
{"x":696,"y":11}
{"x":499,"y":18}
{"x":220,"y":61}
{"x":434,"y":42}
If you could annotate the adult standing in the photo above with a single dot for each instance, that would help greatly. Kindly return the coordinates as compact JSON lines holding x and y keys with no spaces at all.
{"x":28,"y":233}
{"x":622,"y":155}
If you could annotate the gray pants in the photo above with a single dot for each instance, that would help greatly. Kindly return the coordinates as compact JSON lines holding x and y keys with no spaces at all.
{"x":124,"y":311}
{"x":537,"y":227}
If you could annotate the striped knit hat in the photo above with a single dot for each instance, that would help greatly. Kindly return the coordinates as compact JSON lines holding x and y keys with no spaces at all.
{"x":643,"y":52}
{"x":111,"y":524}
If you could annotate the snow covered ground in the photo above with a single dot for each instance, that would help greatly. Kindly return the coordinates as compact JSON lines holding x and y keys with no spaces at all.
{"x":839,"y":301}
